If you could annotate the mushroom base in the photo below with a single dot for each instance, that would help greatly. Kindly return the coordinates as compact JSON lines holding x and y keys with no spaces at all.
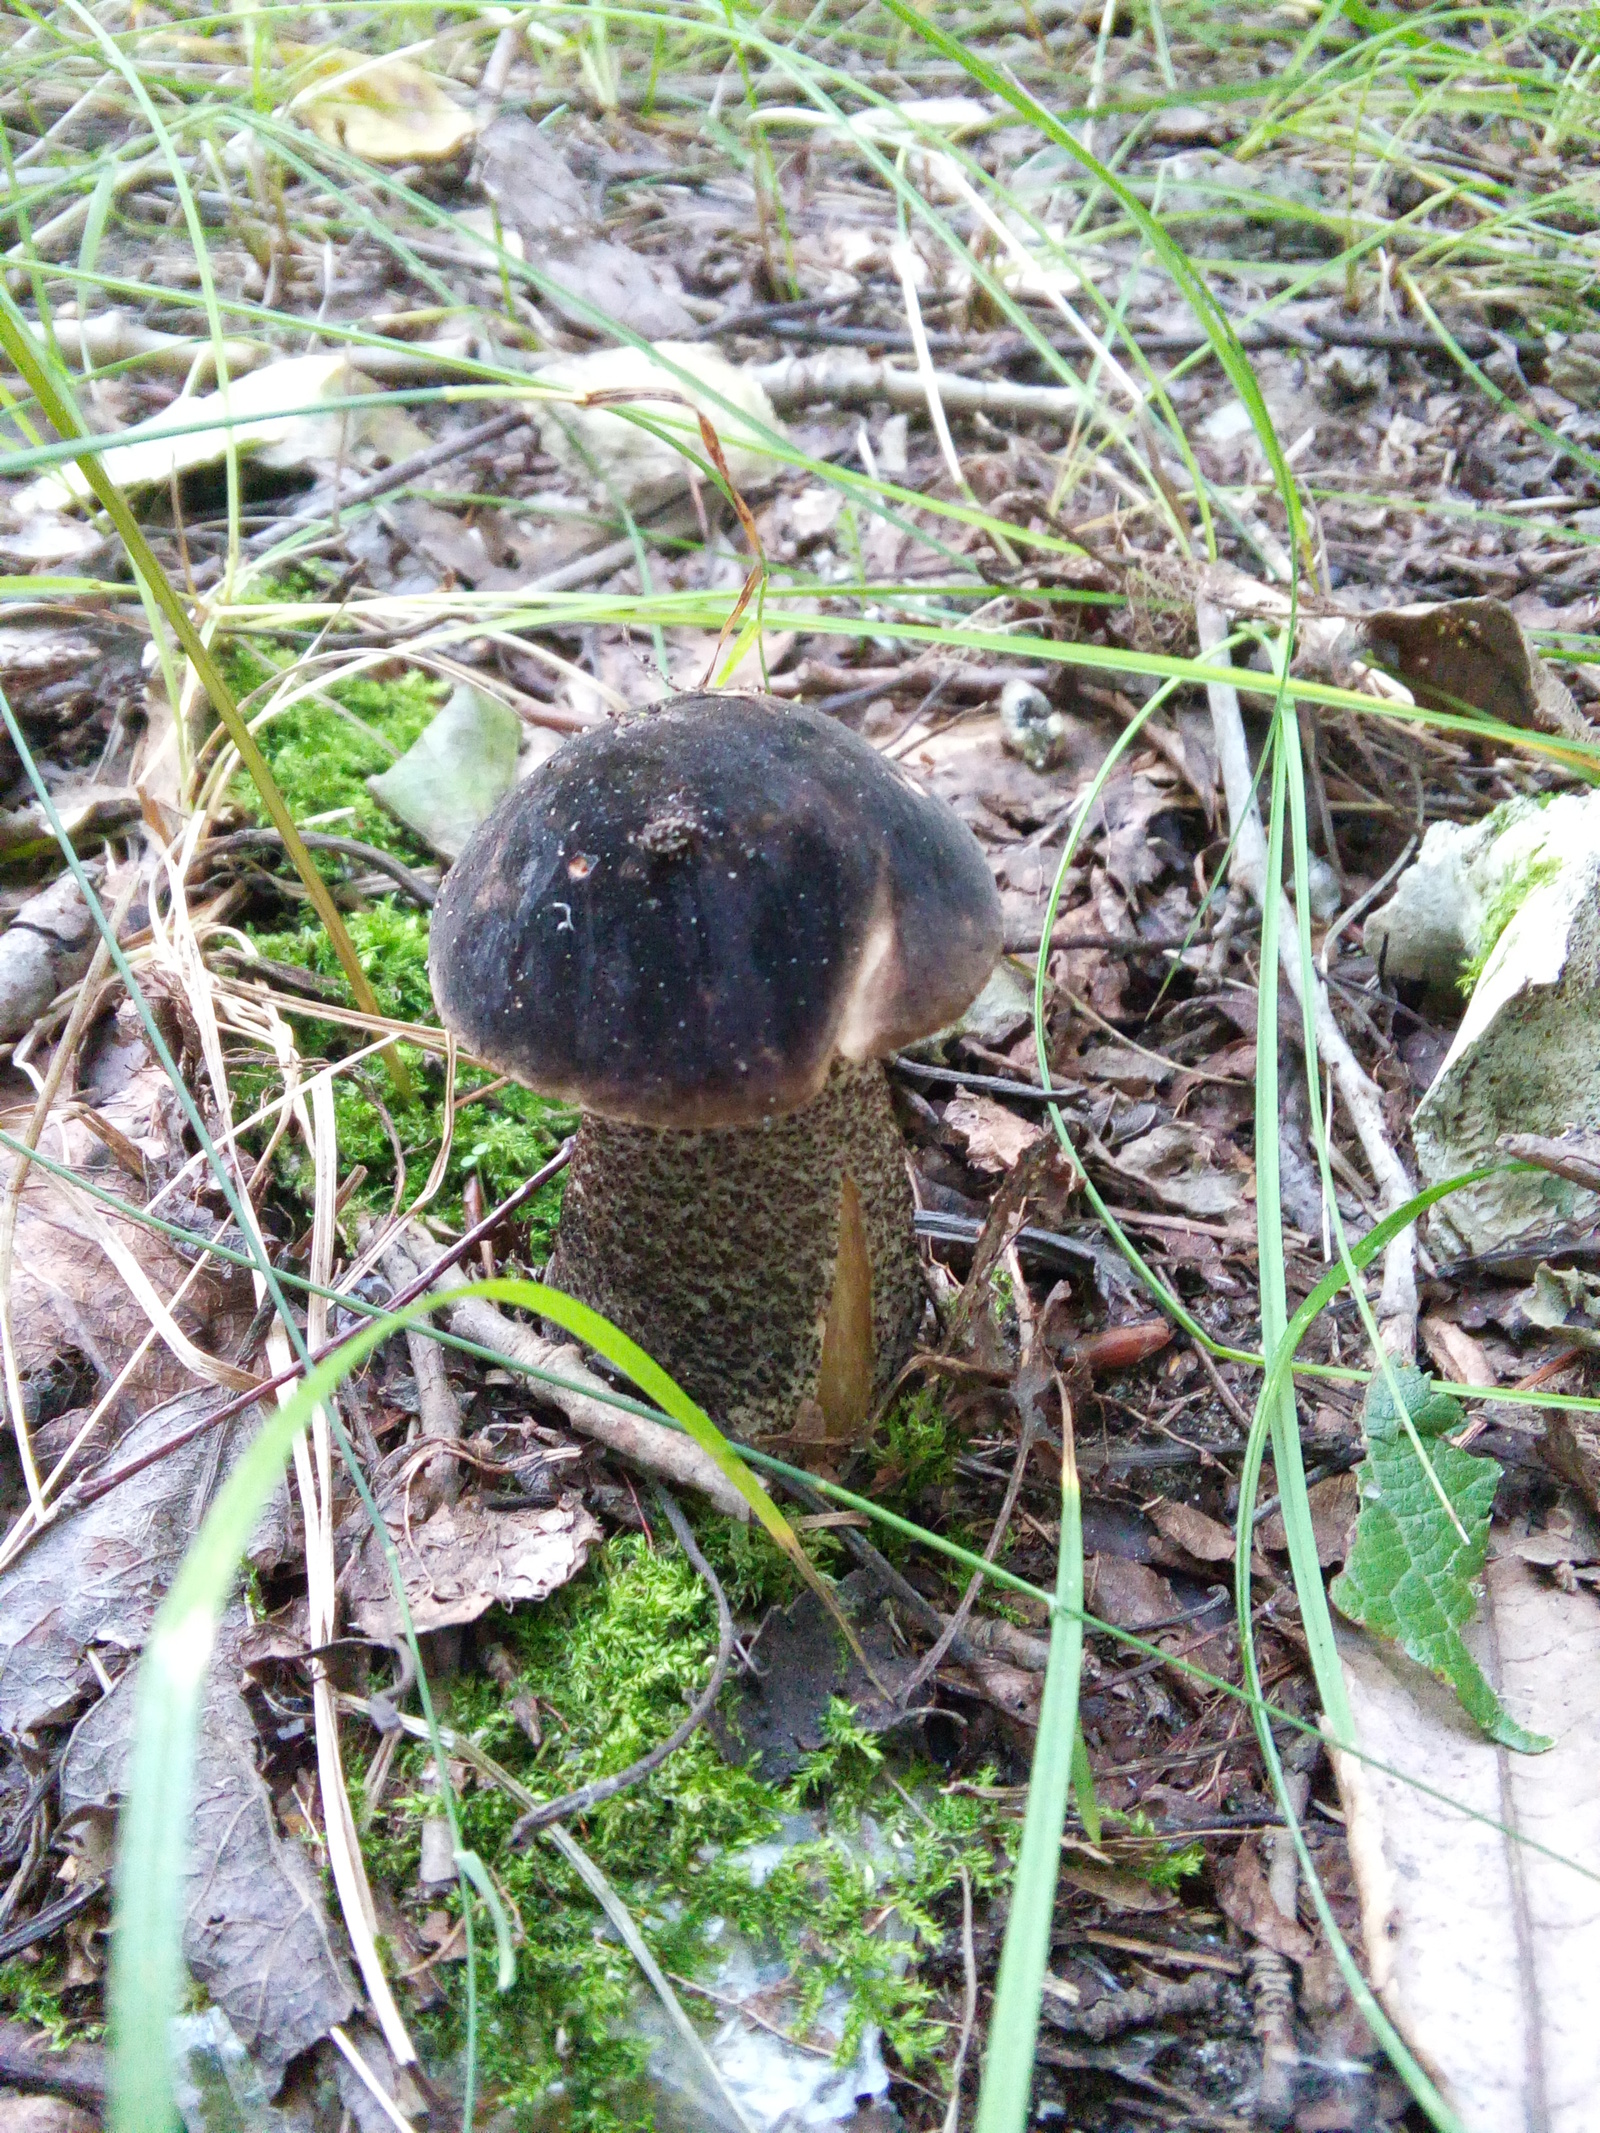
{"x":716,"y":1250}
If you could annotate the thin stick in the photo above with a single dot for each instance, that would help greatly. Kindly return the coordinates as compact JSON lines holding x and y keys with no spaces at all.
{"x":591,"y":1796}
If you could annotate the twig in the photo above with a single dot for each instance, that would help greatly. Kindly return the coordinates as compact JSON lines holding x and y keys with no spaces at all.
{"x":416,"y":886}
{"x":76,"y":2071}
{"x":102,"y":1484}
{"x":857,"y":381}
{"x":969,"y":2004}
{"x":438,"y":1415}
{"x":46,"y":1921}
{"x":1271,"y":1976}
{"x":1397,"y":1304}
{"x":592,"y":1795}
{"x":633,"y":1940}
{"x":652,"y":1445}
{"x":934,"y":1656}
{"x":395,"y":477}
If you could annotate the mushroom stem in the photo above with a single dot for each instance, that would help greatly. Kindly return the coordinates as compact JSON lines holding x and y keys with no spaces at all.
{"x":717,"y":1250}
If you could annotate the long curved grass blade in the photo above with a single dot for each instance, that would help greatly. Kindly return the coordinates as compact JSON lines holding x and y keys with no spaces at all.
{"x":146,"y":1963}
{"x":1007,"y":2086}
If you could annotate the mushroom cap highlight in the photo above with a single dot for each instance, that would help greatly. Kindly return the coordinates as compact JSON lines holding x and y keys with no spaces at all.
{"x":684,"y":920}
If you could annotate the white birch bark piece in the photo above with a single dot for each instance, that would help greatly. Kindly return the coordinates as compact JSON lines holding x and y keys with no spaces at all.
{"x":1484,"y":1951}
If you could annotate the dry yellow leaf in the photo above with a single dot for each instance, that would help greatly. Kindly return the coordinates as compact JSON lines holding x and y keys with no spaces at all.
{"x":384,"y":110}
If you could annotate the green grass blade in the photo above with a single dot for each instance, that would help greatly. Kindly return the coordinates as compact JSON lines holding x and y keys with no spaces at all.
{"x":146,"y":1962}
{"x":18,"y":345}
{"x":1007,"y":2086}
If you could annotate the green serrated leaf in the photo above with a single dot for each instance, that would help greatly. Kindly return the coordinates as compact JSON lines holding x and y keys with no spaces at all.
{"x":1409,"y":1575}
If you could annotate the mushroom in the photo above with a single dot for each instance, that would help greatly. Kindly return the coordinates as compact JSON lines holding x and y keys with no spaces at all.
{"x":705,"y":928}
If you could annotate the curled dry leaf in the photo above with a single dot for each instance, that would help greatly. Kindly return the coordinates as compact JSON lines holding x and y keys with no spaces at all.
{"x":993,"y":1137}
{"x":1177,"y":1164}
{"x":1335,"y":1504}
{"x":1129,"y":1595}
{"x":1206,"y":1539}
{"x":1470,"y":653}
{"x":1245,"y":1896}
{"x":1116,"y":1886}
{"x":385,"y":110}
{"x":276,"y":415}
{"x":466,"y":1559}
{"x":670,"y":386}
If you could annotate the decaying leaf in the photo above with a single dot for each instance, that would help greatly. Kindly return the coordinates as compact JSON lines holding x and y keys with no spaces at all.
{"x":1206,"y":1539}
{"x":1178,"y":1164}
{"x":541,"y":204}
{"x":75,"y":1320}
{"x":466,"y":1559}
{"x":993,"y":1136}
{"x":1564,"y":1300}
{"x":384,"y":109}
{"x":1484,"y":1950}
{"x":1473,"y":653}
{"x":1128,"y":1595}
{"x":1409,"y":1575}
{"x":671,"y":386}
{"x":1116,"y":1886}
{"x":454,"y":772}
{"x":1334,"y":1503}
{"x":276,"y":415}
{"x":256,"y":1934}
{"x":1245,"y":1896}
{"x":97,"y":1577}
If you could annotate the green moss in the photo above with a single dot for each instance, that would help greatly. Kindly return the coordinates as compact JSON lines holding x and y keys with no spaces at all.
{"x":501,"y":1140}
{"x":612,"y":1660}
{"x":31,"y":1992}
{"x":922,"y":1444}
{"x":1514,"y":890}
{"x":323,"y":750}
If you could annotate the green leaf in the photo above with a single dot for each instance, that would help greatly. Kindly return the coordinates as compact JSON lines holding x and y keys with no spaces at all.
{"x":1410,"y":1573}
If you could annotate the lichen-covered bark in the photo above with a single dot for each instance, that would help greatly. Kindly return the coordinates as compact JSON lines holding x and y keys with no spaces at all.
{"x":715,"y":1250}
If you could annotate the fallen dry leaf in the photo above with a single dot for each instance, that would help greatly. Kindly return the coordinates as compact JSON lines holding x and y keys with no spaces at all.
{"x":1335,"y":1504}
{"x":98,"y":1575}
{"x":1246,"y":1898}
{"x":257,"y":1934}
{"x":1179,"y":1165}
{"x":385,"y":110}
{"x":1116,"y":1886}
{"x":1206,"y":1539}
{"x":275,"y":415}
{"x":1470,"y":652}
{"x":1130,"y":1595}
{"x":466,"y":1559}
{"x":994,"y":1137}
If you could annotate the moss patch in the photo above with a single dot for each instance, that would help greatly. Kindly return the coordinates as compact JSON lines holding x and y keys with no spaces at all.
{"x":323,"y":750}
{"x":612,"y":1660}
{"x":1534,"y":872}
{"x":321,"y":753}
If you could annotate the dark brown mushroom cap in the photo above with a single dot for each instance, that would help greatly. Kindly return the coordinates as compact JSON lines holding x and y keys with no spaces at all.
{"x":685,"y":919}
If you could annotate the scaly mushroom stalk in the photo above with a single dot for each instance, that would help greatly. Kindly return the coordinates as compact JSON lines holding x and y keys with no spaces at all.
{"x":689,"y":1241}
